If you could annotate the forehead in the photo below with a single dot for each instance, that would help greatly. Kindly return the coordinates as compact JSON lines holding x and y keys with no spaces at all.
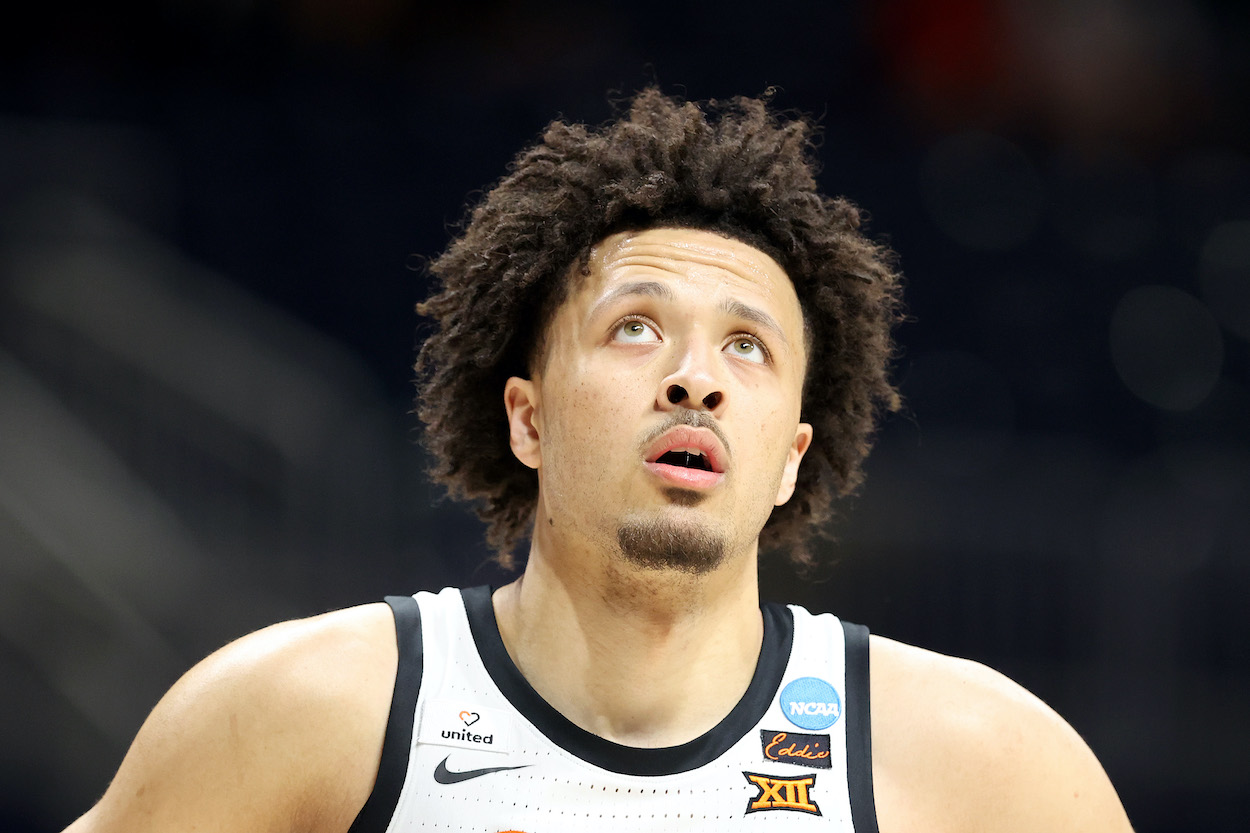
{"x":702,"y":260}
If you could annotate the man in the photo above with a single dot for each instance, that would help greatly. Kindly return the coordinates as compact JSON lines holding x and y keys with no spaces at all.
{"x":691,"y":346}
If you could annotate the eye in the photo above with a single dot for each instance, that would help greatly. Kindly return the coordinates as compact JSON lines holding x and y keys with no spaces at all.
{"x":635,"y":331}
{"x":747,"y":347}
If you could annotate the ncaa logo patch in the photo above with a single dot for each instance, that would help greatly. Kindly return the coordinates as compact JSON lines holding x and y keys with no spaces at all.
{"x":811,"y":703}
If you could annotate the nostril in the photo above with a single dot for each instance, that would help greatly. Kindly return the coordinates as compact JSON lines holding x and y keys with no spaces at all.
{"x":676,"y":393}
{"x":711,"y":401}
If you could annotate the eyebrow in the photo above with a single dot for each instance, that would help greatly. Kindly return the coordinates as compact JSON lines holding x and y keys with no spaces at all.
{"x":755,"y":315}
{"x":652,"y":289}
{"x":731,"y":307}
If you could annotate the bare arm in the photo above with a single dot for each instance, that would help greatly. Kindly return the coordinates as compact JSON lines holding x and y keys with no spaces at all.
{"x":959,"y":747}
{"x":280,"y":731}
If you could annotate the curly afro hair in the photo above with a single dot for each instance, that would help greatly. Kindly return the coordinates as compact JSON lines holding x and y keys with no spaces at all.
{"x":733,"y":167}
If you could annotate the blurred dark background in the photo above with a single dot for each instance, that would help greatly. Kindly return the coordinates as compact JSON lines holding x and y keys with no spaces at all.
{"x":212,"y":218}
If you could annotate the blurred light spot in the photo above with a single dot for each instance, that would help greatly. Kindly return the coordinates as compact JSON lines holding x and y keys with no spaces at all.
{"x":964,"y":409}
{"x":1107,"y":73}
{"x":1107,"y":209}
{"x":1166,"y":346}
{"x":1225,"y":275}
{"x":947,"y":59}
{"x":982,"y":191}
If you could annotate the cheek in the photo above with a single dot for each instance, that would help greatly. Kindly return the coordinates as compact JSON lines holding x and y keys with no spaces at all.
{"x":775,"y":442}
{"x":587,"y":427}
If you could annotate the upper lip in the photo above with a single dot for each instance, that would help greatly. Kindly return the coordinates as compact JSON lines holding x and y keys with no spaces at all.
{"x":683,"y":438}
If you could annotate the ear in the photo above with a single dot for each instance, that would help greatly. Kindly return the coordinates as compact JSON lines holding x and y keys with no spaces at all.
{"x":790,"y":474}
{"x":520,"y":398}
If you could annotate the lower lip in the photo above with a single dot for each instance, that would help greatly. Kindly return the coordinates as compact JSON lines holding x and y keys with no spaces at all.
{"x":687,"y":478}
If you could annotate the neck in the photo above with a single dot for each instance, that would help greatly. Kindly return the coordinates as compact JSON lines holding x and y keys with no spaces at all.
{"x":640,"y":656}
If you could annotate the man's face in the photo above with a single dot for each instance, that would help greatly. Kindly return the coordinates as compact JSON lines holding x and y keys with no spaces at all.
{"x":664,"y":419}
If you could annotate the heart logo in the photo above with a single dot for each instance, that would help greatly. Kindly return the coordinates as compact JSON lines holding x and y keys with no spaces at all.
{"x":469,"y":718}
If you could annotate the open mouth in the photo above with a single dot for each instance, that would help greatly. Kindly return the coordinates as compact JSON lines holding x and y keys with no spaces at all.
{"x":686,"y":460}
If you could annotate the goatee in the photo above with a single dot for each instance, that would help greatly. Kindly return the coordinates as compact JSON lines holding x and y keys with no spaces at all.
{"x":663,"y":544}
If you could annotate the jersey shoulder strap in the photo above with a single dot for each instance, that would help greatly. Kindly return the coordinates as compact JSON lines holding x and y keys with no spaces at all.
{"x":859,"y":730}
{"x":397,"y":743}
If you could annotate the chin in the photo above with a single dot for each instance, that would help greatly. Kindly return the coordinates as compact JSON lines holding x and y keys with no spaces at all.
{"x":683,"y":545}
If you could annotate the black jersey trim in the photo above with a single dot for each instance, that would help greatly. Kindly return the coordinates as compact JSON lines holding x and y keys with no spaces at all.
{"x":615,"y":757}
{"x":376,"y":815}
{"x":859,"y":730}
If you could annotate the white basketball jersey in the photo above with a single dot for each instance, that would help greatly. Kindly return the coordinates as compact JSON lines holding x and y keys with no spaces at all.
{"x":470,"y":746}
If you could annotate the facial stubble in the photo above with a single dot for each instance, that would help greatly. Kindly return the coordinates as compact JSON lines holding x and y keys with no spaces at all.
{"x":666,"y":543}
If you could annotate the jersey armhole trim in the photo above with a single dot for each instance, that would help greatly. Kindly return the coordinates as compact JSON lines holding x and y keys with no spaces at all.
{"x":375,"y":815}
{"x":859,"y":730}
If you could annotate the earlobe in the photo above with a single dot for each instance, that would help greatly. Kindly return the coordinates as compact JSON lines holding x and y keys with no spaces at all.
{"x":520,"y":399}
{"x":790,"y":474}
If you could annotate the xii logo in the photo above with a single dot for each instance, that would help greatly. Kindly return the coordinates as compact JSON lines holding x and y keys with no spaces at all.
{"x":782,"y":793}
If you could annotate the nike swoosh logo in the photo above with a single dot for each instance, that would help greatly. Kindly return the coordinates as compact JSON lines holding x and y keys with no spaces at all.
{"x":443,"y":775}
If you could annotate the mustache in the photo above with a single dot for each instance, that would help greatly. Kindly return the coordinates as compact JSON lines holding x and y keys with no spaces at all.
{"x":692,"y":419}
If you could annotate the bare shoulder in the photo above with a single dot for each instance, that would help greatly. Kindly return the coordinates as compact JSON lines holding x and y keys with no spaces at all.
{"x":279,"y":730}
{"x":958,"y":746}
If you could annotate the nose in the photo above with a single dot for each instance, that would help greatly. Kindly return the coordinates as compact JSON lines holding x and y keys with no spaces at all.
{"x":678,"y":395}
{"x":694,"y":384}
